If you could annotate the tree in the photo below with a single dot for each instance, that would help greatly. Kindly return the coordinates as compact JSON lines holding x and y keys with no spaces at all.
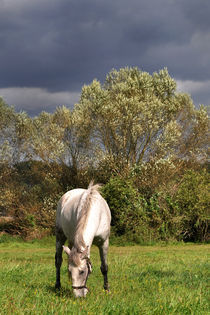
{"x":75,"y":143}
{"x":16,"y":134}
{"x":135,"y":117}
{"x":47,"y":138}
{"x":6,"y":119}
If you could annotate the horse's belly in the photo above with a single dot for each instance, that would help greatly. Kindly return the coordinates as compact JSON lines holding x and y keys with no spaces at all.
{"x":68,"y":229}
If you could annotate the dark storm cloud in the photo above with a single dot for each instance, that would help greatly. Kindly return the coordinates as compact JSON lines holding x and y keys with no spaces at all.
{"x":55,"y":44}
{"x":59,"y":45}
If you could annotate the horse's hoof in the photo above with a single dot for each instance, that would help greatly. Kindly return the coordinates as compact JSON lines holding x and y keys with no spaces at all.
{"x":57,"y":286}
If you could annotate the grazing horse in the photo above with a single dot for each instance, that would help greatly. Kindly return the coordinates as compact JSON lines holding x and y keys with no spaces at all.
{"x":83,"y":217}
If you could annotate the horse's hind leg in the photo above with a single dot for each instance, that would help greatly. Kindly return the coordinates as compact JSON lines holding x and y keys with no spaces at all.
{"x":60,"y":240}
{"x":103,"y":249}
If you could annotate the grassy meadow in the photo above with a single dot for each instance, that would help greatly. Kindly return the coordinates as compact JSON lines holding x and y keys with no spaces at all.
{"x":171,"y":279}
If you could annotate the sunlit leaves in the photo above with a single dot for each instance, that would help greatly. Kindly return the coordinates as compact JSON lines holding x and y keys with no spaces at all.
{"x":139,"y":116}
{"x":47,"y":138}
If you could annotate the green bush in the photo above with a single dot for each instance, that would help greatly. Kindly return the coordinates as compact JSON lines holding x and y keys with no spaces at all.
{"x":164,"y":217}
{"x":127,"y":209}
{"x":193,"y":199}
{"x":177,"y":212}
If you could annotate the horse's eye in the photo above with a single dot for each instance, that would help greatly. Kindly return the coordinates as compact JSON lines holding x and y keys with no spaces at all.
{"x":81,"y":272}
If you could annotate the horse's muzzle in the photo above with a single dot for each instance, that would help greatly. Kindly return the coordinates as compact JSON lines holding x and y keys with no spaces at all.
{"x":80,"y":291}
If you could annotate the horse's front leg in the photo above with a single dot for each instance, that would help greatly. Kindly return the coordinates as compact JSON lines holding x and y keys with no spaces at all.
{"x":103,"y":249}
{"x":60,"y":240}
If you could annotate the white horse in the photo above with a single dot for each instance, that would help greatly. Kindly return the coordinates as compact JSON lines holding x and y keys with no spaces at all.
{"x":83,"y":217}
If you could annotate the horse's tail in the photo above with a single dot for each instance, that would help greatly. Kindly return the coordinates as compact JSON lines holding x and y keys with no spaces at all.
{"x":94,"y":187}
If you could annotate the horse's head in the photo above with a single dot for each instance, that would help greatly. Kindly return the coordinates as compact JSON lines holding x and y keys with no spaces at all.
{"x":79,"y":268}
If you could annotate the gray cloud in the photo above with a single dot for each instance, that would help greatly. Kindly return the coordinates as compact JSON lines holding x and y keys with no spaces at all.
{"x":35,"y":100}
{"x":59,"y":45}
{"x":199,"y":89}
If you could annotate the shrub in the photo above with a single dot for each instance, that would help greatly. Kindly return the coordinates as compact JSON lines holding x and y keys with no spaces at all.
{"x":127,"y":208}
{"x":164,"y":216}
{"x":29,"y":196}
{"x":193,"y":200}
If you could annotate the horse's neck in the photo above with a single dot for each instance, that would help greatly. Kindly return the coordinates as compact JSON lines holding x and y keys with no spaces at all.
{"x":86,"y":231}
{"x":89,"y":230}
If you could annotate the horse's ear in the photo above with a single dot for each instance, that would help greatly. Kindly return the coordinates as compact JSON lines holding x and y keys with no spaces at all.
{"x":67,"y":250}
{"x":85,"y":252}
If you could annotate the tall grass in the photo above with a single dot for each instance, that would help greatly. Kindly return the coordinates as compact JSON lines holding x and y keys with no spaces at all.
{"x":143,"y":280}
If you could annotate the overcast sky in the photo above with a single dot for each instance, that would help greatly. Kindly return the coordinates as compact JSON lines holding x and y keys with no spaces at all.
{"x":50,"y":48}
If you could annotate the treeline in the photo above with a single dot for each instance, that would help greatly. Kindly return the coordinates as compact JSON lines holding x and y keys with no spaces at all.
{"x":135,"y":134}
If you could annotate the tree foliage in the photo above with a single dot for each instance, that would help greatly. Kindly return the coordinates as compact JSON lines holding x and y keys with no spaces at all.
{"x":136,"y":117}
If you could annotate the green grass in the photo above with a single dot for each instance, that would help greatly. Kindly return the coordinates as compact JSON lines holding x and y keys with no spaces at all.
{"x":169,"y":279}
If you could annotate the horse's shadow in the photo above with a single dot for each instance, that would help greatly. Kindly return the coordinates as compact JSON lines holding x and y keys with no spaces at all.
{"x":62,"y":292}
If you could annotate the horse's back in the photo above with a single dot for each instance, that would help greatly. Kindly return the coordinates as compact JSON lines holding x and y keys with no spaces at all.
{"x":68,"y":212}
{"x":101,"y":211}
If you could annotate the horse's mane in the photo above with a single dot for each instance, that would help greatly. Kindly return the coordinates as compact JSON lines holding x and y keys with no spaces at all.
{"x":83,"y":208}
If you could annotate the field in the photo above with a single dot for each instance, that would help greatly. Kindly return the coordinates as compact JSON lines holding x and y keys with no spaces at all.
{"x":170,"y":279}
